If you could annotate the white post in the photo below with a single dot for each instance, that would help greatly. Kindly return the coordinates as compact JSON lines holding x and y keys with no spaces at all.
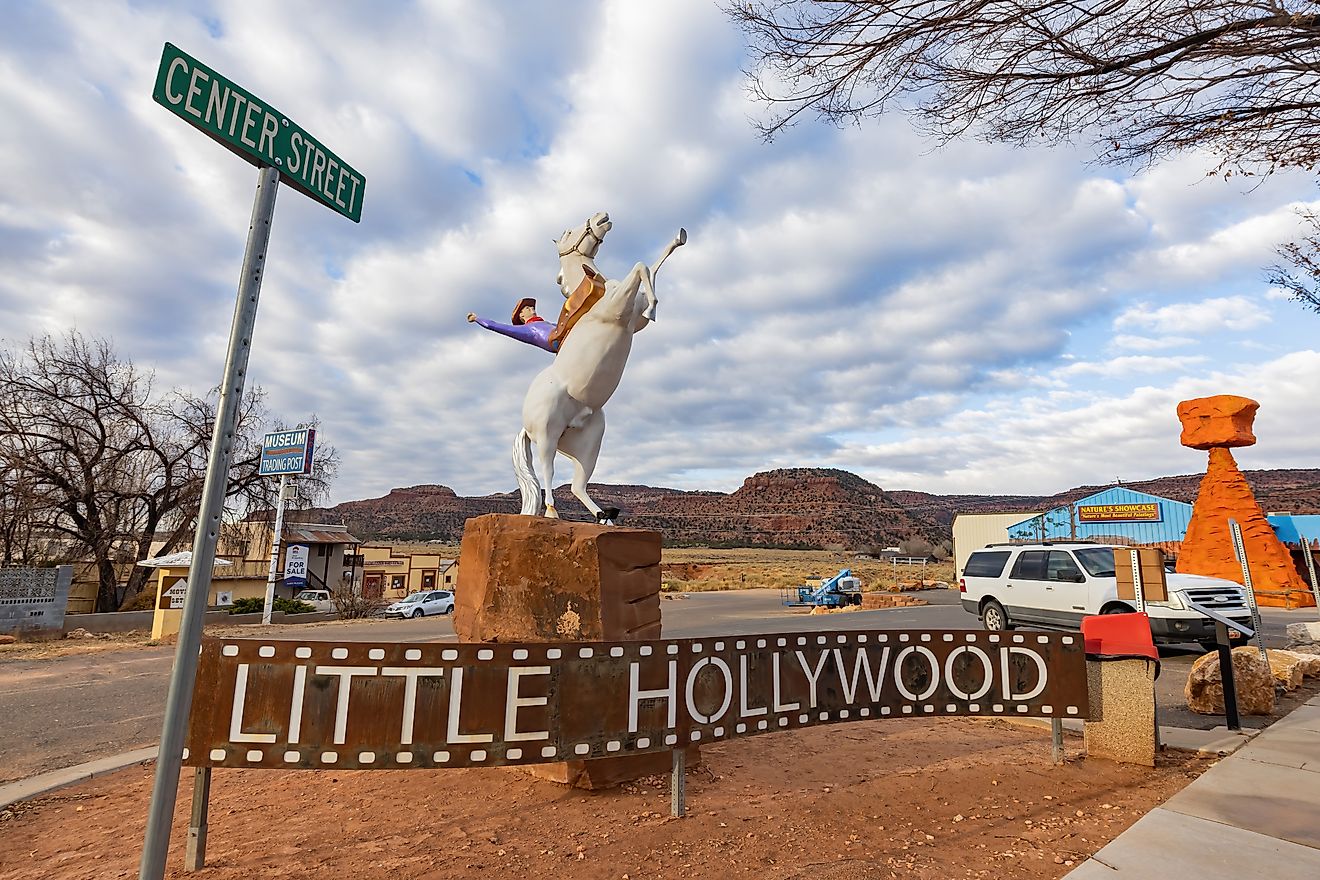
{"x":1310,"y":567}
{"x":275,"y":551}
{"x":1138,"y":588}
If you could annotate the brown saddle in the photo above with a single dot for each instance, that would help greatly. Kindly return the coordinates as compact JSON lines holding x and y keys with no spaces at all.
{"x":588,"y":293}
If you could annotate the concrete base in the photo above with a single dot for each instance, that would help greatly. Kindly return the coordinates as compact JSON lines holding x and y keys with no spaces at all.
{"x":532,"y":579}
{"x":1126,"y":731}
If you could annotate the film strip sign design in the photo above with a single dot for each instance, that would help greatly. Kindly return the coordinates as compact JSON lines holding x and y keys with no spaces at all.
{"x":295,"y":704}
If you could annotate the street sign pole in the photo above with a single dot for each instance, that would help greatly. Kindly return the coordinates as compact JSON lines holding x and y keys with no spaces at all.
{"x":1240,"y":551}
{"x":1310,"y":568}
{"x":179,"y":702}
{"x":275,"y":551}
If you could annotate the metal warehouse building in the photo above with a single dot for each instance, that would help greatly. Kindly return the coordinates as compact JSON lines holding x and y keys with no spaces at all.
{"x":1124,"y":516}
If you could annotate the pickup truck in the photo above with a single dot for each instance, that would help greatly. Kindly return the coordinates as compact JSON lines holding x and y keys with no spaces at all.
{"x":318,"y":599}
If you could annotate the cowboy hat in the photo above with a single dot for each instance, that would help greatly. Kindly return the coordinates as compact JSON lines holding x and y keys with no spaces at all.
{"x":522,"y":304}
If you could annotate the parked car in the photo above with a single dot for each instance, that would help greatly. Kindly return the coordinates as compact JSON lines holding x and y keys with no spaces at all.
{"x":318,"y":599}
{"x":422,"y":604}
{"x":1053,"y":585}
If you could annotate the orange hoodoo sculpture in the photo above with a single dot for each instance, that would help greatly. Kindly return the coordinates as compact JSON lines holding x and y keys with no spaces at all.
{"x":1217,"y":424}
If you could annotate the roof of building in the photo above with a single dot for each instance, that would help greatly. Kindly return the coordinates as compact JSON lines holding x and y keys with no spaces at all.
{"x":182,"y":559}
{"x":318,"y":533}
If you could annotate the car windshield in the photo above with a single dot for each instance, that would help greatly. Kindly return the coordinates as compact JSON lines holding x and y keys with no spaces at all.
{"x":1099,"y":561}
{"x":417,"y":597}
{"x":306,"y":594}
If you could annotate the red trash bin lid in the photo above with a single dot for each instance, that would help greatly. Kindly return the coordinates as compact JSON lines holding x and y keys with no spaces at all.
{"x":1119,"y":635}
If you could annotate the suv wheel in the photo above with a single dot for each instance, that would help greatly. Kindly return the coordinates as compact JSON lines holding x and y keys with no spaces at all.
{"x":993,"y":616}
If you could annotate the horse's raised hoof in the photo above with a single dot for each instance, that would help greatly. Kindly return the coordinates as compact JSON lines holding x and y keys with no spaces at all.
{"x":649,"y":314}
{"x":682,"y":236}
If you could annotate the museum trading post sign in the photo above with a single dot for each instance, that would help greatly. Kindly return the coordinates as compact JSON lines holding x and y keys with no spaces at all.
{"x":287,"y":452}
{"x":256,"y":131}
{"x":353,"y":705}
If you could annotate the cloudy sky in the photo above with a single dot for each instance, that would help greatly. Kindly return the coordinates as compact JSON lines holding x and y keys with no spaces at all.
{"x":973,"y":318}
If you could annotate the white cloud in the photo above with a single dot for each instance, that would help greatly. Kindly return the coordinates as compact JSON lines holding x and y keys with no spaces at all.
{"x":847,"y":297}
{"x":1207,"y":316}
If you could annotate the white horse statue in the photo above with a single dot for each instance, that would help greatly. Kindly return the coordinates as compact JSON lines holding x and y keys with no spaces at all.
{"x":563,"y":410}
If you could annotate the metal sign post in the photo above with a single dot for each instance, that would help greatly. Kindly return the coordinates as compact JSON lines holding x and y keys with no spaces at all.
{"x":1240,"y":551}
{"x":1222,"y":626}
{"x":1310,"y":568}
{"x":275,"y":551}
{"x":258,"y":133}
{"x":179,"y":702}
{"x":678,"y":785}
{"x":1138,"y":593}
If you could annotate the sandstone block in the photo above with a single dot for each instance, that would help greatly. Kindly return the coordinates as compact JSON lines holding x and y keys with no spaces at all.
{"x":7,"y":639}
{"x":1297,"y":665}
{"x":1251,"y":679}
{"x":532,"y":579}
{"x":1223,"y":420}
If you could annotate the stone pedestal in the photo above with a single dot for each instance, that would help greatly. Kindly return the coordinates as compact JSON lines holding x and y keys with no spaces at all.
{"x":1123,"y":692}
{"x":532,"y":579}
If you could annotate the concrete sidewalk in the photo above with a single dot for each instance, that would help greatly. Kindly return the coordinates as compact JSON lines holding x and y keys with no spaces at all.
{"x":1254,"y":814}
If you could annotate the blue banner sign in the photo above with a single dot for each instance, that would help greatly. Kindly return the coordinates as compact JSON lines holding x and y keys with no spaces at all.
{"x":287,"y":452}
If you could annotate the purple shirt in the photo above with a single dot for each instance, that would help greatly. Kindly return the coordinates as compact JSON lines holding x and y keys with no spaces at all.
{"x":533,"y":332}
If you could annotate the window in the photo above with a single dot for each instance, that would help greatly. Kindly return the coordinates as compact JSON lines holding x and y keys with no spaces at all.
{"x":1099,"y":561}
{"x":986,"y":565}
{"x":396,"y":582}
{"x":1030,"y":565}
{"x":320,"y":549}
{"x":428,"y":580}
{"x":1062,"y":567}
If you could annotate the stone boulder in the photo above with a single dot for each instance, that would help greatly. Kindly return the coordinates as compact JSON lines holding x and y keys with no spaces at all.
{"x":1220,"y":421}
{"x":1290,"y":667}
{"x":1304,"y":633}
{"x":1251,"y":679}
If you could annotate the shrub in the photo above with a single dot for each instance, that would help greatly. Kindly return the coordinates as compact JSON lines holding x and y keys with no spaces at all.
{"x":248,"y":605}
{"x":292,"y":606}
{"x":350,"y":604}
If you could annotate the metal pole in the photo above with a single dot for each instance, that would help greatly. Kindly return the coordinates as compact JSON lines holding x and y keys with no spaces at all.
{"x":1240,"y":551}
{"x":1226,"y":676}
{"x":1056,"y":740}
{"x":1138,"y":593}
{"x":195,"y":857}
{"x":275,"y":551}
{"x":179,"y":702}
{"x":1310,"y":568}
{"x":678,"y":785}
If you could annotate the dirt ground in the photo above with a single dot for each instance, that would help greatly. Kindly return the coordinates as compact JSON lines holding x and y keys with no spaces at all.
{"x":941,"y":799}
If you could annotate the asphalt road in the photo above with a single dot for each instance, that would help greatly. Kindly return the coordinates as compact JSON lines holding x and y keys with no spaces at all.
{"x":60,"y":712}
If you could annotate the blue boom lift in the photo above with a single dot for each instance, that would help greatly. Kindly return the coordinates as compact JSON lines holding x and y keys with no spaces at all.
{"x":837,"y":592}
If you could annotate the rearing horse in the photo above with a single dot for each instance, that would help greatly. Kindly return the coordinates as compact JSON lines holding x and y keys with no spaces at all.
{"x":563,"y":409}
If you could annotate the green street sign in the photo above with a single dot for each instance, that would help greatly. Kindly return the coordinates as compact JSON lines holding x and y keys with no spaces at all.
{"x":256,"y":131}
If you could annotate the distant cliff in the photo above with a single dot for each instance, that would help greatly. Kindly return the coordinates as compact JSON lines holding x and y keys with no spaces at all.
{"x":793,"y":507}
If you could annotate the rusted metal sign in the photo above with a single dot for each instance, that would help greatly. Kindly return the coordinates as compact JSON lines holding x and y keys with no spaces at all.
{"x":290,"y":704}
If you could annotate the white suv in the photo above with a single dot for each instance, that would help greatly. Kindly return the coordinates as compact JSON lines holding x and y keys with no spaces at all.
{"x":1054,"y":585}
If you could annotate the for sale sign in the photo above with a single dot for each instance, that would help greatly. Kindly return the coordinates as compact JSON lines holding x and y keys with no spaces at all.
{"x":295,"y":565}
{"x":315,"y":704}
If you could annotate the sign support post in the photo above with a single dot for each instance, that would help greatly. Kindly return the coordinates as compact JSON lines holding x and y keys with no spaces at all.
{"x":195,"y":856}
{"x":678,"y":784}
{"x":1240,"y":551}
{"x":1310,"y":568}
{"x":275,"y":542}
{"x":178,"y":703}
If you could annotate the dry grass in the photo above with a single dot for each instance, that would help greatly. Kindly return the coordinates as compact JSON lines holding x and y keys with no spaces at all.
{"x":694,"y":569}
{"x":688,"y":569}
{"x":50,"y":649}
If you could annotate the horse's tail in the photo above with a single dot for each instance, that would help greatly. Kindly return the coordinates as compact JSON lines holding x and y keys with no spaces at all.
{"x":528,"y":484}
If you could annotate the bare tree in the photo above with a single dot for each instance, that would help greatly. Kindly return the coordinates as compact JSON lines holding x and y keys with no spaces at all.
{"x":114,"y":466}
{"x":1235,"y":77}
{"x":1239,"y":79}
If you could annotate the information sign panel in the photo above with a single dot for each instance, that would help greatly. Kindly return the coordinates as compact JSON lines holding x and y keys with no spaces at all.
{"x":287,"y":452}
{"x":323,"y":704}
{"x":256,"y":131}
